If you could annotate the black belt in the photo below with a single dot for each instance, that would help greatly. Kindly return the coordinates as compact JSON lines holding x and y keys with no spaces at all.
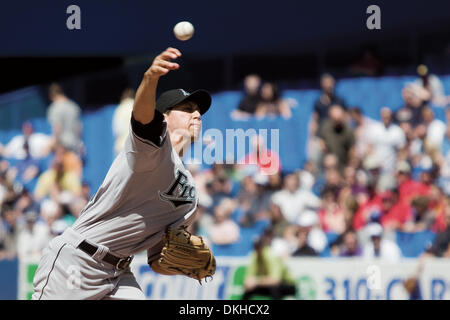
{"x":118,"y":263}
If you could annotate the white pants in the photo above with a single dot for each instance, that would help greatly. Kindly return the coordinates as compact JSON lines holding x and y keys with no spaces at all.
{"x":68,"y":273}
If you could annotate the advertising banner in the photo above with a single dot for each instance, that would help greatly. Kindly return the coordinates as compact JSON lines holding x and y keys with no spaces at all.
{"x":316,"y":279}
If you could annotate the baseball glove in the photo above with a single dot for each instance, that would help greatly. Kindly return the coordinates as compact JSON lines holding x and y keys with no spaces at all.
{"x":185,"y":254}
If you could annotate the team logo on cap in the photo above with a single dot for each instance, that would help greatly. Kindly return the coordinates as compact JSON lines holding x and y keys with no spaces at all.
{"x":184,"y":92}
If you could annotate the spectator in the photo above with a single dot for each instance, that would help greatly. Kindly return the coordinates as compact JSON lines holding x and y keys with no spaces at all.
{"x":311,"y":239}
{"x":441,"y":244}
{"x":411,"y":111}
{"x":432,"y":85}
{"x":337,"y":138}
{"x":11,"y":225}
{"x":330,"y":162}
{"x":121,"y":119}
{"x":267,"y":274}
{"x":362,"y":130}
{"x":394,"y":213}
{"x":387,"y":139}
{"x":55,"y":180}
{"x":272,"y":104}
{"x":201,"y":178}
{"x":85,"y":191}
{"x":380,"y":247}
{"x":219,"y":188}
{"x":350,"y":206}
{"x":50,"y":212}
{"x":313,"y":146}
{"x":24,"y":201}
{"x":278,"y":223}
{"x":71,"y":161}
{"x":417,"y":149}
{"x":426,"y":172}
{"x":275,"y":183}
{"x":7,"y":240}
{"x":368,"y":211}
{"x":303,"y":248}
{"x":224,"y":230}
{"x":254,"y":200}
{"x":26,"y":171}
{"x":333,"y":180}
{"x":7,"y":191}
{"x":435,"y":129}
{"x":331,"y":215}
{"x":307,"y":176}
{"x":268,"y":161}
{"x":443,"y":159}
{"x":350,"y":245}
{"x":286,"y":244}
{"x":327,"y":99}
{"x":33,"y":238}
{"x":422,"y":218}
{"x":407,"y":187}
{"x":252,"y":97}
{"x":292,"y":200}
{"x":347,"y":245}
{"x":202,"y":223}
{"x":437,"y":204}
{"x":29,"y":143}
{"x":355,"y":180}
{"x":58,"y":227}
{"x":63,"y":115}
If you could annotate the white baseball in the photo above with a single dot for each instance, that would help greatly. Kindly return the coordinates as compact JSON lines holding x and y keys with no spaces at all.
{"x":183,"y":30}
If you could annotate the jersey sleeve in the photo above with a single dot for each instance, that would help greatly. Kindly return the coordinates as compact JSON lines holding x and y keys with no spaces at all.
{"x":154,"y":252}
{"x":146,"y":144}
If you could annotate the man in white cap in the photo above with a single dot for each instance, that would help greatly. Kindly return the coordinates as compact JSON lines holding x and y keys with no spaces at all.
{"x":311,"y":240}
{"x":380,"y":247}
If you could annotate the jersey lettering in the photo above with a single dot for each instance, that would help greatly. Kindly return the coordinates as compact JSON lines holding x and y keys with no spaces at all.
{"x":180,"y":192}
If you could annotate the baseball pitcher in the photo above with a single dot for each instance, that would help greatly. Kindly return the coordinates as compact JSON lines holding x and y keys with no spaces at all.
{"x":146,"y":201}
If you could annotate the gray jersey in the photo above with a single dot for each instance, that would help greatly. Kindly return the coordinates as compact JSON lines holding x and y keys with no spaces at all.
{"x":146,"y":189}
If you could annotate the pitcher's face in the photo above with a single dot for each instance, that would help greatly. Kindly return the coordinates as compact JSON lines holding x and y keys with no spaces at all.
{"x":185,"y":117}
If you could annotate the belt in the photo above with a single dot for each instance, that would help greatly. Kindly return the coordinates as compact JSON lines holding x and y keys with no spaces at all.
{"x":118,"y":263}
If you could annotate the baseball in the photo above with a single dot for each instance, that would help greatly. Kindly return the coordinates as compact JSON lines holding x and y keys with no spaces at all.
{"x":183,"y":30}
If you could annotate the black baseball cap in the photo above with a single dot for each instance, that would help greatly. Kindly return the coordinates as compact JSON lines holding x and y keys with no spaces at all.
{"x":169,"y":99}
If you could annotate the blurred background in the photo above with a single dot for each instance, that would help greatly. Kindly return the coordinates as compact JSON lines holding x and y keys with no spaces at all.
{"x":359,"y":206}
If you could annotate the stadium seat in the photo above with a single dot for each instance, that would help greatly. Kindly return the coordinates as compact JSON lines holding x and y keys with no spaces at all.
{"x":414,"y":244}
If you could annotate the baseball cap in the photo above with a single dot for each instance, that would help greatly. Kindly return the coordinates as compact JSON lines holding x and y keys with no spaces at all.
{"x":260,"y":179}
{"x":371,"y":163}
{"x":168,"y":99}
{"x":374,"y":230}
{"x":403,"y":167}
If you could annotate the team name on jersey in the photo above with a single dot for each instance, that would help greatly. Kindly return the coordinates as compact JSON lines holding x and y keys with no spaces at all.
{"x":180,"y":191}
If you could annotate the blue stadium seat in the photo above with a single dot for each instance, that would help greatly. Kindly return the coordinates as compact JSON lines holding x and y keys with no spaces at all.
{"x":331,"y":237}
{"x":414,"y":244}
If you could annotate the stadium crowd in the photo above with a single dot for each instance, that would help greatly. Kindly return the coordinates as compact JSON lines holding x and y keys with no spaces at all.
{"x":364,"y":179}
